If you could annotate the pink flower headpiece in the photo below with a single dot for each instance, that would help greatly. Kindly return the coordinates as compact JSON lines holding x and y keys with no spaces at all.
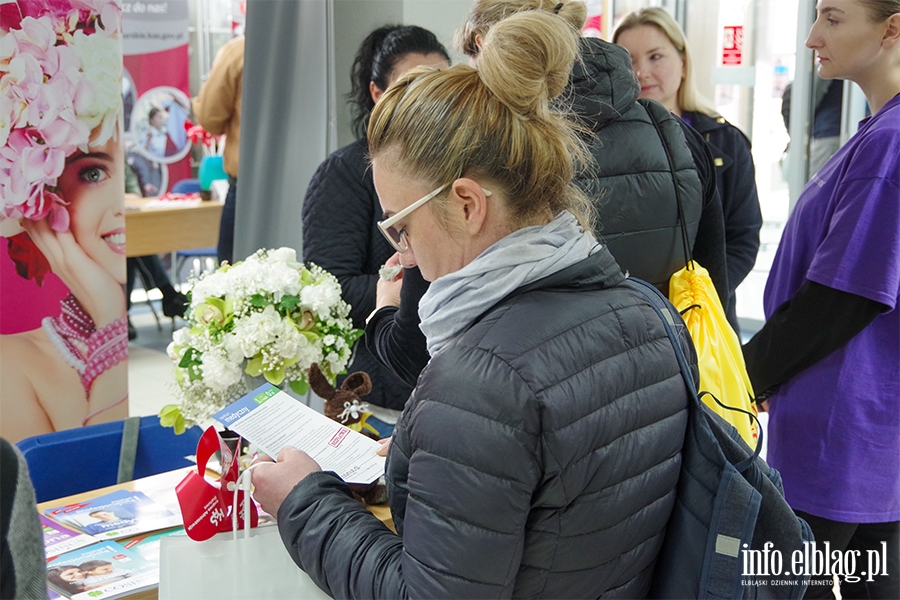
{"x":60,"y":91}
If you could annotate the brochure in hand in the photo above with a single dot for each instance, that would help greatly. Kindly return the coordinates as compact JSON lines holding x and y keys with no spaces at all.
{"x":271,"y":419}
{"x":115,"y":515}
{"x":59,"y":539}
{"x":103,"y":571}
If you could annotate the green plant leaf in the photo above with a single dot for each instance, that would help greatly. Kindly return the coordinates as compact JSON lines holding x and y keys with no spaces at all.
{"x":194,"y":372}
{"x":258,"y":300}
{"x":289,"y":302}
{"x":300,"y":386}
{"x":191,"y":357}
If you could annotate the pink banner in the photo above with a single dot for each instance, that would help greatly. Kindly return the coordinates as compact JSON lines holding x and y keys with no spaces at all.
{"x":63,"y":330}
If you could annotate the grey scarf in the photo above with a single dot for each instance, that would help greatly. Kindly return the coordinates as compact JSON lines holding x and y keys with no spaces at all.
{"x":524,"y":256}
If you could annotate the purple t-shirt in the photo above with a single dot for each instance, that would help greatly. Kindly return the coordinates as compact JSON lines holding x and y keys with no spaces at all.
{"x":834,"y":428}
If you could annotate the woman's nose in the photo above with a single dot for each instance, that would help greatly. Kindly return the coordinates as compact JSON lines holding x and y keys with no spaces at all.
{"x":408,"y":258}
{"x":812,"y":40}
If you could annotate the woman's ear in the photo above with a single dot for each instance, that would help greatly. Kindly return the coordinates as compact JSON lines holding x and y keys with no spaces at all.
{"x":472,"y":203}
{"x":892,"y":34}
{"x":375,"y":91}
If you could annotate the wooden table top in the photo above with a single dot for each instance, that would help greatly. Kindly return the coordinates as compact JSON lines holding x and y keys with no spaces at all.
{"x":153,"y":226}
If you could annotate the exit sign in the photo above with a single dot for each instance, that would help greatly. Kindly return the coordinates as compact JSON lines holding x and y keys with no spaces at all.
{"x":733,"y":45}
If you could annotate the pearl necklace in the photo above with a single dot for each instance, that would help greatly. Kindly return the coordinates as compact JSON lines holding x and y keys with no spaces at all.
{"x":69,"y":333}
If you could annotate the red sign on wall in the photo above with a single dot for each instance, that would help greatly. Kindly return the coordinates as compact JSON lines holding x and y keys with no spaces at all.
{"x":733,"y":45}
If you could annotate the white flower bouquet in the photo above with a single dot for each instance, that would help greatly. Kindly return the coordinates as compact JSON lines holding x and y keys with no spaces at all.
{"x":269,"y":316}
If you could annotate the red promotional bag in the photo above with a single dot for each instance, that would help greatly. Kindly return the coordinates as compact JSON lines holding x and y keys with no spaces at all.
{"x":208,"y":509}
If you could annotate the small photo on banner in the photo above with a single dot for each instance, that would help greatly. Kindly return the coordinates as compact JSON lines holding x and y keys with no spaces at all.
{"x":63,"y":329}
{"x":160,"y":120}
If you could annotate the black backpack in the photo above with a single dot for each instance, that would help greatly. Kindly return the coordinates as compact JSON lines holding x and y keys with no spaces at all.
{"x":731,"y":533}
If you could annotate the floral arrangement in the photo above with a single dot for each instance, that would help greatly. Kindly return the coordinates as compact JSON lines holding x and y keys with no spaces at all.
{"x":268,"y":315}
{"x":60,"y":82}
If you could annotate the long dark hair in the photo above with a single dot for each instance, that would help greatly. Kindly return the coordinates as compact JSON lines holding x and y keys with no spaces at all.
{"x":375,"y":60}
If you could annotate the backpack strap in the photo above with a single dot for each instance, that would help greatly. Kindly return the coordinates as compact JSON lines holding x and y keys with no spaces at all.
{"x":685,"y":239}
{"x":665,"y":312}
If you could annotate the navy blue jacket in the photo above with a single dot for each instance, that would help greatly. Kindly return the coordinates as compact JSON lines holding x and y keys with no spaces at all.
{"x":736,"y":180}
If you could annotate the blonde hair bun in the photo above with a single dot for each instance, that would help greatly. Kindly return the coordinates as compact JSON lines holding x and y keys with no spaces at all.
{"x":484,"y":14}
{"x":526,"y":60}
{"x":574,"y":12}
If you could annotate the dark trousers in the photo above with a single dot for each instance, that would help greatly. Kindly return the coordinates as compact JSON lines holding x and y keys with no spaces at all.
{"x":153,"y":274}
{"x":225,"y":249}
{"x":861,"y":537}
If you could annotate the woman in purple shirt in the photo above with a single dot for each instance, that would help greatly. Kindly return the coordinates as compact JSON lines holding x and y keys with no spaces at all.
{"x":828,"y":357}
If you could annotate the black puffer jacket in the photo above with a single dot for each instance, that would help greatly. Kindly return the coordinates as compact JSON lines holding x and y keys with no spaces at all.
{"x":637,"y":181}
{"x":537,"y":457}
{"x":340,"y":234}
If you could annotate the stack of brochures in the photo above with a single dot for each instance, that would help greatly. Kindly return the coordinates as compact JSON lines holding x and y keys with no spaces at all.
{"x":82,"y":560}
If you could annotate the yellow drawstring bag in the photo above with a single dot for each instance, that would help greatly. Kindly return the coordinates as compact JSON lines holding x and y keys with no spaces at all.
{"x":721,"y":362}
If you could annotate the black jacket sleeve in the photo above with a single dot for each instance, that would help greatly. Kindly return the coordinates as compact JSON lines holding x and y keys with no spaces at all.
{"x":338,"y":213}
{"x":740,"y":204}
{"x":709,"y":246}
{"x":393,"y":335}
{"x":344,"y":548}
{"x":803,"y":331}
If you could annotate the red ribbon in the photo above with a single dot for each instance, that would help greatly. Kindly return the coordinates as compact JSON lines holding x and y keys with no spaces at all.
{"x":206,"y":508}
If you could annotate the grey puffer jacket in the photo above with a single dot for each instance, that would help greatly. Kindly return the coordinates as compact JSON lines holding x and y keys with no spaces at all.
{"x":537,"y":457}
{"x":646,"y":159}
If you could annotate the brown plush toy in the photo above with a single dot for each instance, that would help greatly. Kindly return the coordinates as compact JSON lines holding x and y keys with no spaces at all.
{"x":344,"y":406}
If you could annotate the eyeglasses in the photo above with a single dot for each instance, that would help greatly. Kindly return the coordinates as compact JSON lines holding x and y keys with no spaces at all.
{"x":396,"y":238}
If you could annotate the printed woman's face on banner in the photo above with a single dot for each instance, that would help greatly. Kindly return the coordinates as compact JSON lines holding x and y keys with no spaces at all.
{"x":93,"y":183}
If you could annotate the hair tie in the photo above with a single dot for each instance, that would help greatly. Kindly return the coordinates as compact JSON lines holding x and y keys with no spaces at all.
{"x":556,"y":10}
